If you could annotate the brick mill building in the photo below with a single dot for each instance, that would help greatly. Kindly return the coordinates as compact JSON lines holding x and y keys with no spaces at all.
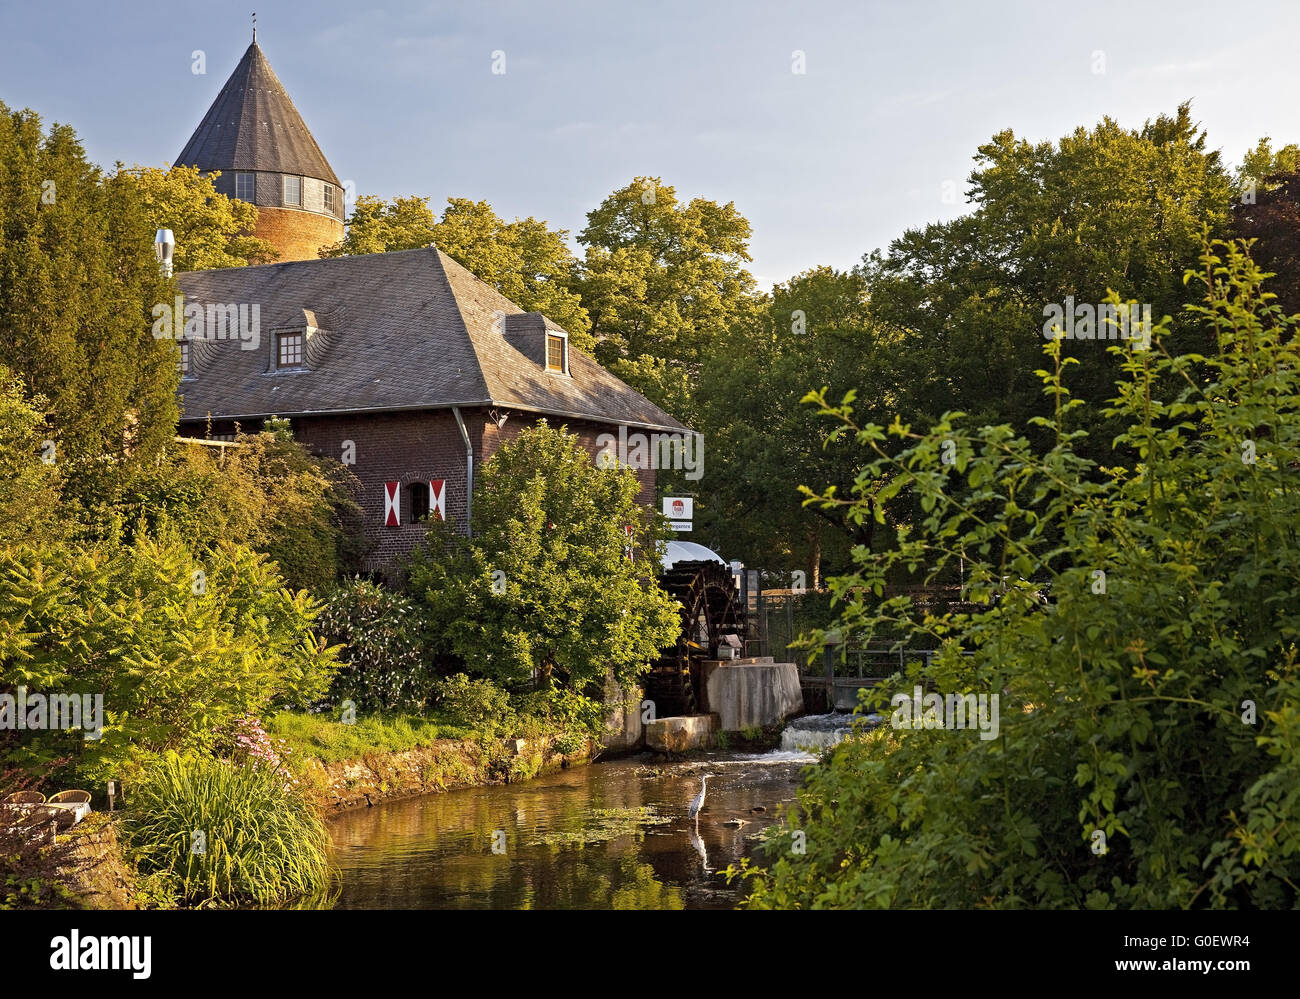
{"x":405,"y":365}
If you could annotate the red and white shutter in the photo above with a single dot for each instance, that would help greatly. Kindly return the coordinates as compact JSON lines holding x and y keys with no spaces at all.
{"x":392,"y":504}
{"x":438,"y":498}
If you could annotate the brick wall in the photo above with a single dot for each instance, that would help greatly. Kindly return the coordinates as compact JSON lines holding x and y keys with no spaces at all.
{"x":297,"y":234}
{"x":416,"y":447}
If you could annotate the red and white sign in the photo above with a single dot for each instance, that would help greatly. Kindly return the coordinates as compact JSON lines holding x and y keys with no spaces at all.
{"x":392,"y":504}
{"x":679,"y":507}
{"x":438,"y":498}
{"x":680,"y":510}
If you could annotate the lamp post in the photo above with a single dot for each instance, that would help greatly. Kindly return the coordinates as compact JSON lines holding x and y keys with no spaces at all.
{"x":164,"y":246}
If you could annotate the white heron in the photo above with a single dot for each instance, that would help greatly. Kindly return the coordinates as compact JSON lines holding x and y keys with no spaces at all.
{"x":694,"y":811}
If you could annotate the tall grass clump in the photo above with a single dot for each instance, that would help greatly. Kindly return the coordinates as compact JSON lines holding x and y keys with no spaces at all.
{"x":226,"y":833}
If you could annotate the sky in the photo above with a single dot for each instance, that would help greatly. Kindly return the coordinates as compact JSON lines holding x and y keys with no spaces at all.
{"x":875,"y":136}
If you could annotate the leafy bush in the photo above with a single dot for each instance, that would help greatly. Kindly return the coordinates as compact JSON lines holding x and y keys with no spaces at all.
{"x":383,"y":663}
{"x":175,"y":644}
{"x":226,"y":832}
{"x":268,"y":493}
{"x":545,"y":587}
{"x":476,"y":704}
{"x":1141,"y":633}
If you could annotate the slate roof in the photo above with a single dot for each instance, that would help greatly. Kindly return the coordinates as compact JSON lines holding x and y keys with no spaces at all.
{"x":253,"y":125}
{"x":395,"y":331}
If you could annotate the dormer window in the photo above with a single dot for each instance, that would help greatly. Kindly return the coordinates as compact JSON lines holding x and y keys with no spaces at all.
{"x":288,"y":350}
{"x":244,"y":187}
{"x":293,"y":190}
{"x":183,"y":363}
{"x":557,"y":352}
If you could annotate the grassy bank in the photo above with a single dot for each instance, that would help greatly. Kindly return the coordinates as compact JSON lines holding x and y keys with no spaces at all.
{"x":382,"y":757}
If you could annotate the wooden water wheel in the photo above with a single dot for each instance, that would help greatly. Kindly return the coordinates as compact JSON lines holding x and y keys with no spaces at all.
{"x":710,"y":609}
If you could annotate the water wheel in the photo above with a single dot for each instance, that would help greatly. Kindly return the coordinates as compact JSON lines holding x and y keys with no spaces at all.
{"x":710,"y":609}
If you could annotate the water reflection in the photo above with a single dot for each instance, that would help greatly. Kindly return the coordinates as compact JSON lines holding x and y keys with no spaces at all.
{"x":609,"y":836}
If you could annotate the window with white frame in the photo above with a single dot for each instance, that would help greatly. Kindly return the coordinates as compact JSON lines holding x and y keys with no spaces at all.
{"x":557,"y":352}
{"x":288,"y":350}
{"x":293,"y":190}
{"x":244,"y":187}
{"x":331,"y":205}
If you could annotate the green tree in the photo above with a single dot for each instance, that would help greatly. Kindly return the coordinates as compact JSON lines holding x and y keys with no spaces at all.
{"x":1140,"y":634}
{"x":545,"y":588}
{"x":29,"y":484}
{"x":267,"y":492}
{"x":1102,"y":209}
{"x":211,"y":229}
{"x":813,"y":330}
{"x":662,"y":280}
{"x":78,"y":281}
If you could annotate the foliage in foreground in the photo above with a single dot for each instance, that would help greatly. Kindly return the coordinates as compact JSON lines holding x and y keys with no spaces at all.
{"x":226,"y":833}
{"x":1147,"y":753}
{"x":175,"y":644}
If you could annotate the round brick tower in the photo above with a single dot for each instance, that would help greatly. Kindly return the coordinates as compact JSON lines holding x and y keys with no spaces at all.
{"x":255,"y":137}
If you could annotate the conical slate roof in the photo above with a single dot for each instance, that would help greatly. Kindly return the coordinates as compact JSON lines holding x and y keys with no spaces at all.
{"x":253,"y":125}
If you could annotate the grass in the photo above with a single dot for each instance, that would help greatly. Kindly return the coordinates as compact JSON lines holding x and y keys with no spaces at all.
{"x":331,"y":741}
{"x":224,"y":833}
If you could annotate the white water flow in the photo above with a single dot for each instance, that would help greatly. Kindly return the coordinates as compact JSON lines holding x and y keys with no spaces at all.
{"x":816,"y":733}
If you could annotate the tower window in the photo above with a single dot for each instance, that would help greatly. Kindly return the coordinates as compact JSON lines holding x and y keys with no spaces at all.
{"x":557,"y":352}
{"x":289,"y":350}
{"x":183,"y":364}
{"x":293,"y":190}
{"x":330,"y":206}
{"x":244,"y":187}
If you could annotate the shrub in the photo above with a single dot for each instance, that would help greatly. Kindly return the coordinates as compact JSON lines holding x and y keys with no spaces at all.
{"x":383,"y":665}
{"x":1147,"y":751}
{"x":225,"y":832}
{"x":175,"y":644}
{"x":268,"y":493}
{"x":545,"y":587}
{"x":477,"y":704}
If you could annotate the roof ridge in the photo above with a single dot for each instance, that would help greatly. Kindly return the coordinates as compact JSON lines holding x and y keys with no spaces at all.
{"x":439,"y":259}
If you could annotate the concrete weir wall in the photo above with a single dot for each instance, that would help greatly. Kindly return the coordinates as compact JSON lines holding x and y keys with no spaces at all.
{"x":750,"y":693}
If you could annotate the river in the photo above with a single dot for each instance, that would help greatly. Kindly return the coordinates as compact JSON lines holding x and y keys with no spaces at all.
{"x":610,"y":835}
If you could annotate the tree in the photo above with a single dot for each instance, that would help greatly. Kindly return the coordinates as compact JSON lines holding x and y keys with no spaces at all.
{"x":1100,"y":210}
{"x":525,"y":260}
{"x":545,"y":587}
{"x":1268,"y":212}
{"x":662,"y":280}
{"x":78,"y":281}
{"x":211,"y":229}
{"x":267,"y":492}
{"x":1136,"y":662}
{"x":29,"y":484}
{"x":813,"y":330}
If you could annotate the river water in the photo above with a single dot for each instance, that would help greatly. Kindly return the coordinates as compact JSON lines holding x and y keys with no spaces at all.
{"x":606,"y":836}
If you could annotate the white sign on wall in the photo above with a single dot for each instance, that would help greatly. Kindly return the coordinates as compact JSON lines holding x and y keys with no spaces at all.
{"x":680,"y":510}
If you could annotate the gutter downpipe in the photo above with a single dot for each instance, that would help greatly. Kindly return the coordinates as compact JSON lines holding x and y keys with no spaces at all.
{"x":469,"y":471}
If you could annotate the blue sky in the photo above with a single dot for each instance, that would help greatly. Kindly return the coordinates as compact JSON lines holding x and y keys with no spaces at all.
{"x":826,"y":165}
